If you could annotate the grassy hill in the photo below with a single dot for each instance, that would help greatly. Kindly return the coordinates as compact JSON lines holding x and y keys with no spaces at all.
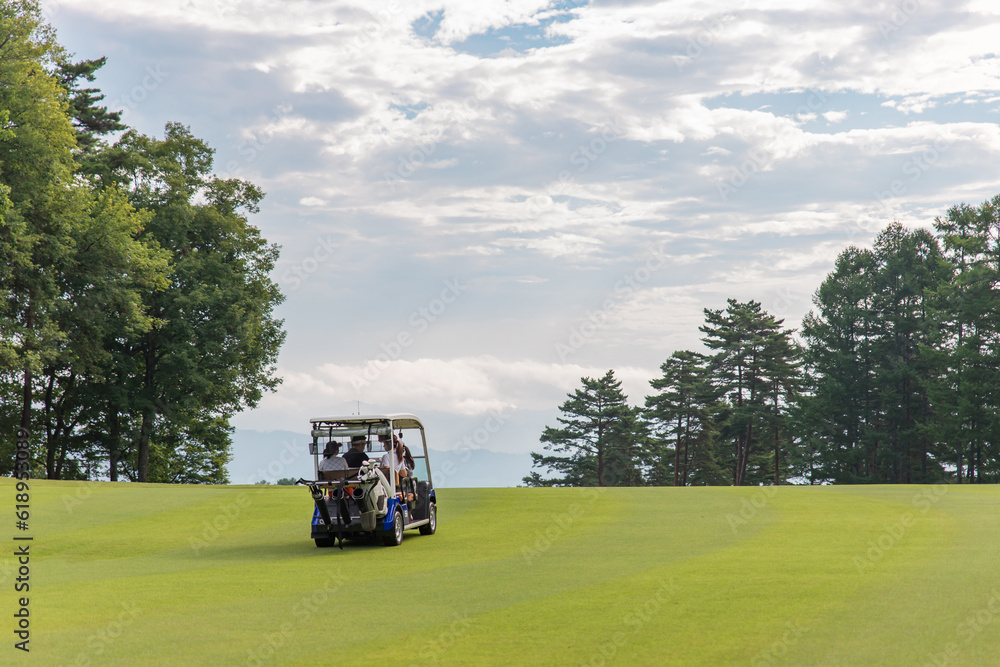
{"x":146,"y":574}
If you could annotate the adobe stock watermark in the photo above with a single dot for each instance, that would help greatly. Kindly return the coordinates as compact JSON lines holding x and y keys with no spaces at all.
{"x":227,"y":514}
{"x":408,"y":164}
{"x":81,"y":493}
{"x":976,"y":623}
{"x":894,"y":532}
{"x":627,"y":286}
{"x":582,"y":158}
{"x":914,"y":168}
{"x":750,"y":507}
{"x":372,"y":30}
{"x":970,"y":628}
{"x":22,"y":455}
{"x":324,"y":250}
{"x":302,"y":614}
{"x":419,"y":321}
{"x":411,"y":162}
{"x":900,"y":16}
{"x":860,"y":229}
{"x":433,"y":649}
{"x":561,"y":524}
{"x":640,"y":614}
{"x":706,"y":37}
{"x":775,"y":653}
{"x":785,"y":299}
{"x":112,"y":631}
{"x":8,"y":568}
{"x":758,"y":159}
{"x":256,"y":143}
{"x":290,"y":453}
{"x":226,"y":8}
{"x":51,"y":9}
{"x":470,"y":443}
{"x":139,"y":93}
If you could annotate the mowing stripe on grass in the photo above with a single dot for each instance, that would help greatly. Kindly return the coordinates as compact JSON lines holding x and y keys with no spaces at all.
{"x":833,"y":575}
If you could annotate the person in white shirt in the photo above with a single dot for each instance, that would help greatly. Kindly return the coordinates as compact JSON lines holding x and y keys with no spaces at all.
{"x":331,"y":458}
{"x":389,"y":458}
{"x":392,"y":460}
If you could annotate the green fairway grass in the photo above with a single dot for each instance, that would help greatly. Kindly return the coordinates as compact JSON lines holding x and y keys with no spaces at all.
{"x":130,"y":574}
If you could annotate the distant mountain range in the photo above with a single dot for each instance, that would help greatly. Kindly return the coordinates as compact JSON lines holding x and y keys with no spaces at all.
{"x":273,"y":455}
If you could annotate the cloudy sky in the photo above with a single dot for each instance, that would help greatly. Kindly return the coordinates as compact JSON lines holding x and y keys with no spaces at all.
{"x":478,"y":203}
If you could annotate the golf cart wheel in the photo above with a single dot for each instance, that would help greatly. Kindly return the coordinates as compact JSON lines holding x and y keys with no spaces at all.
{"x":325,"y":541}
{"x":432,"y":525}
{"x":395,"y":536}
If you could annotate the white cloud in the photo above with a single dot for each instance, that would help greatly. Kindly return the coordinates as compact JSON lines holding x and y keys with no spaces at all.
{"x":463,"y":385}
{"x":462,"y":19}
{"x":542,"y":175}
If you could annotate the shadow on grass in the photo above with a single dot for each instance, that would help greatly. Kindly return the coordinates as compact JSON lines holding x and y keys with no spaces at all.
{"x":297,"y":549}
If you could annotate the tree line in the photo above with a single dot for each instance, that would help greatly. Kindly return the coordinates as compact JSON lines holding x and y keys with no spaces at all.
{"x":894,"y":377}
{"x":136,"y":307}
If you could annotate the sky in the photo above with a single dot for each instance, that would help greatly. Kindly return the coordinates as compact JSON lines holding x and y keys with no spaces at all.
{"x":480,"y":203}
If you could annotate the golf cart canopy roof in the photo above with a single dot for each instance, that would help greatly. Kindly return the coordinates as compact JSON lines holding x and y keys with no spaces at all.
{"x":362,"y":424}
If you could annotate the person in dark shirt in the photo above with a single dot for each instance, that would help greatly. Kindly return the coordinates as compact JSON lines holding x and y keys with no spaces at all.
{"x":356,"y":455}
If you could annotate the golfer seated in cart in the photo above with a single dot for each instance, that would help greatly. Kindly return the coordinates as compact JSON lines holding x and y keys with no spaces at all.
{"x":356,"y":496}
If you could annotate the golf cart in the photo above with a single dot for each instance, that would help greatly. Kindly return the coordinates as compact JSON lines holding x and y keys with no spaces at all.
{"x":370,"y":500}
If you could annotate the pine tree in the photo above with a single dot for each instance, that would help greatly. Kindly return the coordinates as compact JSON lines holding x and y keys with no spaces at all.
{"x":909,"y":267}
{"x":91,"y":120}
{"x":967,"y":323}
{"x":754,"y":364}
{"x":597,"y":444}
{"x":681,"y":424}
{"x":869,"y":402}
{"x":841,"y":387}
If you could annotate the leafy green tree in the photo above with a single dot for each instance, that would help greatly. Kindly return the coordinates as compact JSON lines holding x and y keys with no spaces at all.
{"x":9,"y":414}
{"x":186,"y":449}
{"x":597,"y":444}
{"x":136,"y":308}
{"x":35,"y":170}
{"x":103,"y":283}
{"x":214,"y":340}
{"x":73,"y":262}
